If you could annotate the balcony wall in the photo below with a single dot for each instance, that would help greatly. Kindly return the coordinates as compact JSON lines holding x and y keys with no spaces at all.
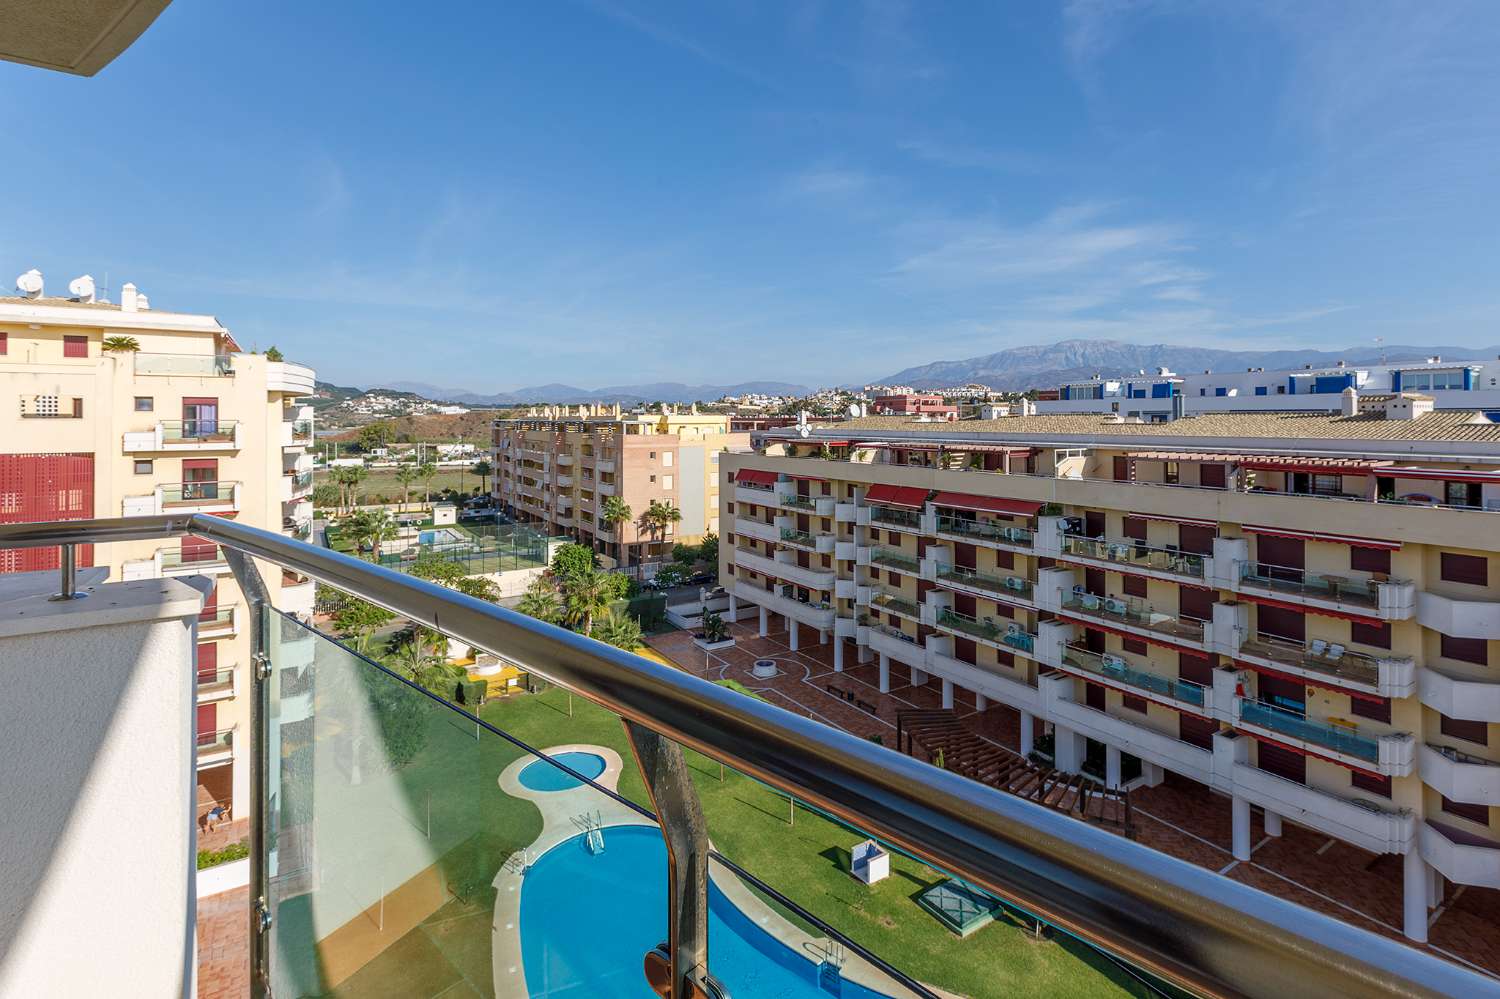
{"x":909,"y":653}
{"x":991,"y":685}
{"x":98,"y":769}
{"x":756,"y":529}
{"x":1150,"y":745}
{"x":1461,"y":862}
{"x":1459,"y":697}
{"x":1460,"y":777}
{"x":1459,"y":618}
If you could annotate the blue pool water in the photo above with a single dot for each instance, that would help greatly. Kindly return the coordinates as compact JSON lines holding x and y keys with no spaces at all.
{"x":587,"y":920}
{"x":543,"y":776}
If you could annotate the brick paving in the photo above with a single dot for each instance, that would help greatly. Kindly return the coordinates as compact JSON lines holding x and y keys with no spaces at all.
{"x":1178,"y":817}
{"x":223,"y":945}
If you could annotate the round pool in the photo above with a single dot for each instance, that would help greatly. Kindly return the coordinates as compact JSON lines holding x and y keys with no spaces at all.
{"x":588,"y":918}
{"x":543,"y":776}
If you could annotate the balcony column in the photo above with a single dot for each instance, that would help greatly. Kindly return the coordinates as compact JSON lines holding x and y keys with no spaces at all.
{"x":822,"y":636}
{"x":763,"y":628}
{"x":917,"y":677}
{"x":1434,"y":887}
{"x":1111,"y":766}
{"x":1240,"y":836}
{"x":885,"y":673}
{"x":1414,"y":889}
{"x":1272,"y":821}
{"x":1068,"y":749}
{"x":734,"y":609}
{"x":980,"y":701}
{"x":864,"y":653}
{"x":791,"y":631}
{"x":838,"y":656}
{"x":1028,"y":733}
{"x":947,"y":694}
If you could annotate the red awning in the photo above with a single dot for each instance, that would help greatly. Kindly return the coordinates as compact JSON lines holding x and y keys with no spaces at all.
{"x":987,"y":504}
{"x":754,"y":477}
{"x":1335,"y":539}
{"x":897,"y":496}
{"x":1444,"y":474}
{"x":1311,"y":609}
{"x":1310,"y":681}
{"x":1191,"y":521}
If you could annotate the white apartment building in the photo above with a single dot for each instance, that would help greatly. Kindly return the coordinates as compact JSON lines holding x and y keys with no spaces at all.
{"x":1297,"y":612}
{"x":187,"y":423}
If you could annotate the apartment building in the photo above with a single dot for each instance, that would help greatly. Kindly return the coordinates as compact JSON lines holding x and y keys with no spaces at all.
{"x":558,"y":470}
{"x":1295,"y":612}
{"x":188,"y":423}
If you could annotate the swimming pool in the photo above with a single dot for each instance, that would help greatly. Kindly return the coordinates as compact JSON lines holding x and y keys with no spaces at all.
{"x":587,"y":920}
{"x":543,"y":776}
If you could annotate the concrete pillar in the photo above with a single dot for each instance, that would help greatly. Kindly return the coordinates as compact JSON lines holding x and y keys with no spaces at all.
{"x":1414,"y":890}
{"x":822,"y":636}
{"x":734,"y":609}
{"x":980,"y":701}
{"x":1028,"y":734}
{"x":1068,"y":748}
{"x":1434,"y":887}
{"x":1152,"y":774}
{"x":947,"y":693}
{"x":763,"y":628}
{"x":1272,"y":823}
{"x":1240,"y":837}
{"x":917,"y":677}
{"x":885,"y":673}
{"x":864,"y":654}
{"x":1111,"y":766}
{"x":791,"y":630}
{"x":838,"y":656}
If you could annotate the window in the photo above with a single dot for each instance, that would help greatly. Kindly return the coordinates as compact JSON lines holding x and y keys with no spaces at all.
{"x":75,"y":346}
{"x":666,"y":458}
{"x":1470,"y":569}
{"x":1134,"y":645}
{"x":1134,"y":586}
{"x":1476,"y":732}
{"x":651,"y":455}
{"x":1378,"y":635}
{"x":1134,"y":527}
{"x":1474,"y":813}
{"x":1370,"y":560}
{"x":144,"y":404}
{"x":1260,"y":390}
{"x":1169,"y":473}
{"x":653,"y":478}
{"x":1374,"y":710}
{"x":1374,"y":783}
{"x":1467,"y":650}
{"x":1133,"y":703}
{"x":143,"y":467}
{"x":4,"y":342}
{"x":666,"y":481}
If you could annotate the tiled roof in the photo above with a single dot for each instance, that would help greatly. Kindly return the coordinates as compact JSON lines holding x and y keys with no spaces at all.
{"x":1439,"y":425}
{"x":67,"y":303}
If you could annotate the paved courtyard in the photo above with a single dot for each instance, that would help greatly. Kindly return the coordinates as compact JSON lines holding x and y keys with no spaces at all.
{"x":1179,"y":816}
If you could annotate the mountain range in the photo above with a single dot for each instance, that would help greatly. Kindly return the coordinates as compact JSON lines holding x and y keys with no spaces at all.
{"x":1048,"y":365}
{"x":629,"y":394}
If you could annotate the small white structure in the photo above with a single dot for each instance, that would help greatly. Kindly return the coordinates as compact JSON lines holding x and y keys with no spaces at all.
{"x":444,"y":513}
{"x":869,"y":862}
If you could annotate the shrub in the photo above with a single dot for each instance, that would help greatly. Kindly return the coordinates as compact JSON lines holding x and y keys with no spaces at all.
{"x":714,"y":628}
{"x":572,"y":560}
{"x":230,"y":853}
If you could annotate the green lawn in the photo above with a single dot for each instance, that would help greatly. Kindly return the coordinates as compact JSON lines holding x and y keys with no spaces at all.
{"x":381,"y":484}
{"x":475,"y":828}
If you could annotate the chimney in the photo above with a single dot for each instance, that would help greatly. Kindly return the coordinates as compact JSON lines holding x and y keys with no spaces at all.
{"x":1349,"y":402}
{"x":1179,"y":406}
{"x":127,"y":298}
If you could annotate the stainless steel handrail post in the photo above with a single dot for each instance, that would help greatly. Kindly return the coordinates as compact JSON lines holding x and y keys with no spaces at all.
{"x":68,"y":570}
{"x":258,"y":599}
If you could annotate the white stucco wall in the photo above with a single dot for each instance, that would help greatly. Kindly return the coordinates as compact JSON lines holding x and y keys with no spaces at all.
{"x":96,"y":792}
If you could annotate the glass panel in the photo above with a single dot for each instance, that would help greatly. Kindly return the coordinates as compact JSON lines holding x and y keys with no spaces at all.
{"x":184,"y":364}
{"x":415,"y":852}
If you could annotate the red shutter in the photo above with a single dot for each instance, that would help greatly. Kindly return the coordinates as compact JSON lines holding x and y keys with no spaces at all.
{"x":1378,"y":635}
{"x":1468,"y":650}
{"x":1134,"y":586}
{"x":1470,"y":569}
{"x":1196,"y":602}
{"x":1195,"y":668}
{"x":44,"y":487}
{"x":1370,"y":560}
{"x":208,"y":720}
{"x":1135,"y":527}
{"x":208,"y":660}
{"x":1477,"y":732}
{"x":1094,"y":696}
{"x":1196,"y":731}
{"x":1195,"y":539}
{"x":1280,"y":623}
{"x":1211,"y":476}
{"x":75,"y":346}
{"x":1282,"y":762}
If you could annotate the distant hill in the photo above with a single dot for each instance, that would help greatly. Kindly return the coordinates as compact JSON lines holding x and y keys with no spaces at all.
{"x":1047,"y":365}
{"x":558,"y":393}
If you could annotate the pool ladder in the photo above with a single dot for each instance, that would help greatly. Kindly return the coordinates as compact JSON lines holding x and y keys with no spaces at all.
{"x":593,"y":831}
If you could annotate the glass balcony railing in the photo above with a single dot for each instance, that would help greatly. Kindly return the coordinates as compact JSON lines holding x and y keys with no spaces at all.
{"x":895,"y":558}
{"x":216,"y":618}
{"x":985,"y":531}
{"x":799,"y":538}
{"x":1114,"y":668}
{"x":1134,"y":612}
{"x":215,"y":682}
{"x":1342,"y":737}
{"x":215,"y":743}
{"x":1134,"y":553}
{"x":201,"y":365}
{"x":894,"y":603}
{"x":200,"y":558}
{"x":1010,"y":586}
{"x":1362,"y":591}
{"x":302,"y":430}
{"x":202,"y":431}
{"x":301,"y":481}
{"x":1329,"y":658}
{"x":798,"y":502}
{"x":988,"y":629}
{"x":891,"y":516}
{"x":197,"y":493}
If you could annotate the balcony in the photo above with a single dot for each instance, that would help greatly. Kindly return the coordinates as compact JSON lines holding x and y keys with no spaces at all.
{"x":295,"y":379}
{"x":898,"y":645}
{"x":1010,"y":588}
{"x":1322,"y":660}
{"x":215,"y":686}
{"x":1461,"y":857}
{"x":1469,"y":698}
{"x":894,"y":558}
{"x":821,"y":506}
{"x":1389,"y":600}
{"x":296,"y":433}
{"x":1459,"y":618}
{"x":790,"y":572}
{"x":813,"y":613}
{"x":1129,"y":730}
{"x":186,"y":497}
{"x":1168,"y":563}
{"x":217,"y":623}
{"x":754,"y":495}
{"x":1010,"y":637}
{"x":759,"y":530}
{"x":1460,"y":776}
{"x":1342,"y":740}
{"x":204,"y":561}
{"x":1115,"y":671}
{"x":604,"y":465}
{"x":894,"y":603}
{"x":352,"y":797}
{"x":1134,"y":615}
{"x":992,"y":683}
{"x":564,"y":481}
{"x":189,"y":365}
{"x":295,"y":486}
{"x":184,"y":435}
{"x":821,"y":544}
{"x":985,"y":533}
{"x":895,"y":518}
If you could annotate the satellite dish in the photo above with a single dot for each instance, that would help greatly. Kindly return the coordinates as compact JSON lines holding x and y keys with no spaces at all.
{"x":804,"y":431}
{"x":82,"y":288}
{"x":854,"y":410}
{"x":30,"y":283}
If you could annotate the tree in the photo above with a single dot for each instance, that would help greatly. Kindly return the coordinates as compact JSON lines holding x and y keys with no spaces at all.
{"x":419,"y":663}
{"x":585,"y":595}
{"x":372,"y":527}
{"x":272,"y":354}
{"x":708,"y":551}
{"x":326,"y":495}
{"x":540,"y":601}
{"x":427,"y":471}
{"x":614,"y":512}
{"x":714,"y":628}
{"x":121,"y":344}
{"x":354,"y":616}
{"x":406,"y":474}
{"x":658,"y":515}
{"x":437,"y":569}
{"x":478,"y":587}
{"x":374,"y":436}
{"x":616,"y":585}
{"x":684,"y":555}
{"x":572,"y":560}
{"x":619,"y":629}
{"x":347,"y":477}
{"x":483,"y":469}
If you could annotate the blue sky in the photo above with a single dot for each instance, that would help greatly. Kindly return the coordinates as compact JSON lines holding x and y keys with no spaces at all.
{"x":608,"y":192}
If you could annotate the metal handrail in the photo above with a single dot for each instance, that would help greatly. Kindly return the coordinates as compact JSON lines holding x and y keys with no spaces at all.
{"x":1172,"y":918}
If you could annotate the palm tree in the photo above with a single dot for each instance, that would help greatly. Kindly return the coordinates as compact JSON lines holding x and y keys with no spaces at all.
{"x":614,"y":511}
{"x":121,"y":344}
{"x":348,"y":477}
{"x":619,"y":629}
{"x":483,"y":469}
{"x":406,"y":475}
{"x":373,"y":526}
{"x":585,"y":594}
{"x":419,"y":664}
{"x":540,"y":601}
{"x":658,"y":515}
{"x":427,"y":471}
